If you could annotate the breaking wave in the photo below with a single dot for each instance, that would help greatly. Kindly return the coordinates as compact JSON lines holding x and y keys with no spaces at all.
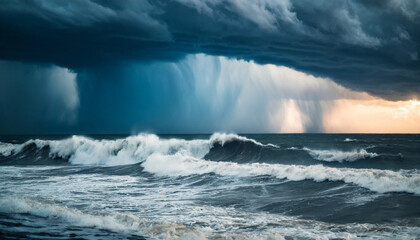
{"x":340,"y":156}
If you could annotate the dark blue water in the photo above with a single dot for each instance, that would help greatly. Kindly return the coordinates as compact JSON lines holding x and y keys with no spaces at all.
{"x":220,"y":186}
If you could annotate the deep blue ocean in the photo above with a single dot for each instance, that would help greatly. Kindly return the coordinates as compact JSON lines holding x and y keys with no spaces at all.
{"x":219,"y":186}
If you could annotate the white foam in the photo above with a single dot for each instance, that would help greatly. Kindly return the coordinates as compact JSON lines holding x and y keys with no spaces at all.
{"x":340,"y":156}
{"x":374,"y":179}
{"x":7,"y":149}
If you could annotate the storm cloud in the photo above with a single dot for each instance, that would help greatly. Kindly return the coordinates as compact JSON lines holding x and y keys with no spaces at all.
{"x":368,"y":46}
{"x":198,"y":94}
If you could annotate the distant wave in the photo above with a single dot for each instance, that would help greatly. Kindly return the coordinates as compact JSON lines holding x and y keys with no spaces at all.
{"x":340,"y":156}
{"x":337,"y":155}
{"x":350,"y":140}
{"x":223,"y":138}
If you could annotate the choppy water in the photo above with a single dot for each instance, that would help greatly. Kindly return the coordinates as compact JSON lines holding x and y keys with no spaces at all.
{"x":223,"y":186}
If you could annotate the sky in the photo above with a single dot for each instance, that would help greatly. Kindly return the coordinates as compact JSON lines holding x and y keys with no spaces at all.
{"x":201,"y":66}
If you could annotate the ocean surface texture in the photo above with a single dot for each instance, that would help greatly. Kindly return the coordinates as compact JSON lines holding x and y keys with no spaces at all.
{"x":220,"y":186}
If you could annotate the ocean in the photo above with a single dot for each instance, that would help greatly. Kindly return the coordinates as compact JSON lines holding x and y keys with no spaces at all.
{"x":216,"y":186}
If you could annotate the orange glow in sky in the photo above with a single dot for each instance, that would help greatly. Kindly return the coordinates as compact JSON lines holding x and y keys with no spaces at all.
{"x":373,"y":116}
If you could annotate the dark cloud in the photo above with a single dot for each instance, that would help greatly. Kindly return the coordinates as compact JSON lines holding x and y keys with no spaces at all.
{"x":366,"y":45}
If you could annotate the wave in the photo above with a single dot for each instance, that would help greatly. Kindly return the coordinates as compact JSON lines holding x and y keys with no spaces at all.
{"x":130,"y":150}
{"x":224,"y":138}
{"x":340,"y":156}
{"x":134,"y":149}
{"x":376,"y":180}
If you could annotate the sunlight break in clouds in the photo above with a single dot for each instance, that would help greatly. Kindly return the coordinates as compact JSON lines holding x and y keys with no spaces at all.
{"x":373,"y":116}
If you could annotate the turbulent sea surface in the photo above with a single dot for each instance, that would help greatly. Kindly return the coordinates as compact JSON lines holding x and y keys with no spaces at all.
{"x":220,"y":186}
